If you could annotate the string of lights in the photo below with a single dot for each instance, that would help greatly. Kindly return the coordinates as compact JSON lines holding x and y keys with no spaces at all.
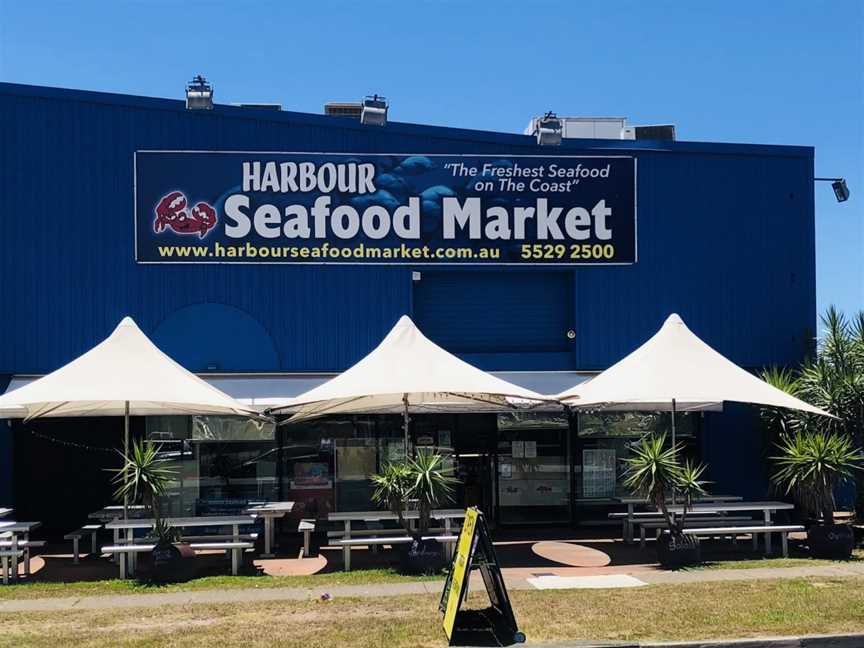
{"x":71,"y":444}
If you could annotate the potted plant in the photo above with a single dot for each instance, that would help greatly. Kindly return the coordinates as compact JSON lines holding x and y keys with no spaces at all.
{"x":423,"y":483}
{"x":144,"y":477}
{"x":653,"y":472}
{"x":810,"y":465}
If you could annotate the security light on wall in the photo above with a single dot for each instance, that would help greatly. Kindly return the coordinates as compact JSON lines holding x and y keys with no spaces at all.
{"x":841,"y":190}
{"x":548,"y":130}
{"x":199,"y":94}
{"x":374,"y":112}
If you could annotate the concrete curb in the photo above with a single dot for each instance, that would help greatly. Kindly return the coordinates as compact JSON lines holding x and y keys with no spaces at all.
{"x":814,"y":641}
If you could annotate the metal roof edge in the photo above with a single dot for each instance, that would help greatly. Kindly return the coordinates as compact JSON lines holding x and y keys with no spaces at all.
{"x":439,"y":132}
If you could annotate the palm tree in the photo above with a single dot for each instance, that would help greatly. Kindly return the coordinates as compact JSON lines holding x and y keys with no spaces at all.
{"x":654,"y":472}
{"x":423,"y":482}
{"x":811,"y":463}
{"x":833,"y":381}
{"x":144,"y":477}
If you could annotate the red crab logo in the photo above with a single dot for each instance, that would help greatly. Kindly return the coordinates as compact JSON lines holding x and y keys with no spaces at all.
{"x":171,"y":212}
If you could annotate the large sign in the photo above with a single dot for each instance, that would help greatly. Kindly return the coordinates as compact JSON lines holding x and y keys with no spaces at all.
{"x":258,"y":207}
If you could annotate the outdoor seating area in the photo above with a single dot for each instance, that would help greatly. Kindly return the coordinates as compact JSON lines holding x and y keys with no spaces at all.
{"x":712,"y":517}
{"x":410,"y":485}
{"x":522,"y":552}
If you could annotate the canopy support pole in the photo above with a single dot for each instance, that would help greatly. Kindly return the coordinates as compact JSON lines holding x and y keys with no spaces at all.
{"x":674,"y":451}
{"x":405,"y":421}
{"x":125,"y":454}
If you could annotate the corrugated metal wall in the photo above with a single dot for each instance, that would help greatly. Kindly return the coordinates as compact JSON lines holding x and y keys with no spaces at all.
{"x":725,"y":236}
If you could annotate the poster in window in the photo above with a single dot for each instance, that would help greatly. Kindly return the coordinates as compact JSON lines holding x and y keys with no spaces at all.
{"x":530,"y":449}
{"x":311,"y":475}
{"x":598,"y":472}
{"x":444,"y":438}
{"x":396,"y":451}
{"x":355,"y":462}
{"x":518,"y":449}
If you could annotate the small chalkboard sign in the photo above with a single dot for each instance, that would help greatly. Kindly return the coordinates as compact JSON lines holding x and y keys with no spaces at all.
{"x":495,"y":625}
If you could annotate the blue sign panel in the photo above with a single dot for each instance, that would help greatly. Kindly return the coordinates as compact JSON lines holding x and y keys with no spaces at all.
{"x":259,"y":207}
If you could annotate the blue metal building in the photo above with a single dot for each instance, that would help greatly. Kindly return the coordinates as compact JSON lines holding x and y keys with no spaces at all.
{"x":725,"y":238}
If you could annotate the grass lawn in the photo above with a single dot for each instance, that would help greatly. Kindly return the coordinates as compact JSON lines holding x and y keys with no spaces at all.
{"x":358,"y":577}
{"x":130,"y":586}
{"x":756,"y":563}
{"x":692,"y":611}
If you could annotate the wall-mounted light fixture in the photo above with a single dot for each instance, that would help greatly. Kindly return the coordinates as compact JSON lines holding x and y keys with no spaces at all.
{"x":841,"y":190}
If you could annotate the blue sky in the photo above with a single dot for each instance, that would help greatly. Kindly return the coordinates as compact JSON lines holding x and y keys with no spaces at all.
{"x":785,"y":72}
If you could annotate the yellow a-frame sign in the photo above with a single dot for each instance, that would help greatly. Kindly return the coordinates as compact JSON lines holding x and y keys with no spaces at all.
{"x":474,"y":550}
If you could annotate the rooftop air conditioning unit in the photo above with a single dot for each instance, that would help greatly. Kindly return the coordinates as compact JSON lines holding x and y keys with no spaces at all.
{"x":656,"y":132}
{"x":351,"y":109}
{"x":259,"y":106}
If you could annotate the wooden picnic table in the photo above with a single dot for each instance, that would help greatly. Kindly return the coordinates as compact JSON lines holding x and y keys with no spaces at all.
{"x":114,"y":512}
{"x":632,"y":501}
{"x":234,"y":521}
{"x":768,"y":508}
{"x":270,"y":511}
{"x":347,"y":517}
{"x":19,"y":531}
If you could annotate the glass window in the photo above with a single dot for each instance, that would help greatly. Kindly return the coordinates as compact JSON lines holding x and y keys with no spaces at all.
{"x":221,"y":463}
{"x":604,"y":443}
{"x":635,"y":424}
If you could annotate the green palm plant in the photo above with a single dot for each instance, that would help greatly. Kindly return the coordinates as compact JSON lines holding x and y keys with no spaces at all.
{"x":424,"y":482}
{"x":391,"y":489}
{"x":811,"y":464}
{"x":834,"y":381}
{"x":654,"y":472}
{"x":145,"y":477}
{"x":432,"y":485}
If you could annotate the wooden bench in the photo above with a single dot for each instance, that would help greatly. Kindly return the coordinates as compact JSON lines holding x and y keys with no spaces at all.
{"x":629,"y":519}
{"x":236,"y":549}
{"x":353,"y":542}
{"x":783,"y":529}
{"x":5,"y":555}
{"x":24,"y":546}
{"x":75,"y":536}
{"x":306,"y":527}
{"x":244,"y":537}
{"x":125,"y":550}
{"x":659,"y":525}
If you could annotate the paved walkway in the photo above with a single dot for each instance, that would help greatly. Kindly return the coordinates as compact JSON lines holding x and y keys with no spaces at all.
{"x":514,"y":582}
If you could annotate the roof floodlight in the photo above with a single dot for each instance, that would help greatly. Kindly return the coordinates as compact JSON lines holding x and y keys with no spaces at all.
{"x":374,"y":111}
{"x":548,"y":130}
{"x":199,"y":94}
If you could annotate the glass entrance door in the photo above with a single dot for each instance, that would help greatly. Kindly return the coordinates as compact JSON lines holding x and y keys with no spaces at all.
{"x":533,"y":469}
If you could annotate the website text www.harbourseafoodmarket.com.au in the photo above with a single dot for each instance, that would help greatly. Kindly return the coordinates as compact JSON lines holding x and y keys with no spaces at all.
{"x":323,"y":252}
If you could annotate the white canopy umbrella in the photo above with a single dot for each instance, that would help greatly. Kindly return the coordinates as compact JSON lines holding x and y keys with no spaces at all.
{"x":407,"y":372}
{"x":675,"y":370}
{"x":125,"y":374}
